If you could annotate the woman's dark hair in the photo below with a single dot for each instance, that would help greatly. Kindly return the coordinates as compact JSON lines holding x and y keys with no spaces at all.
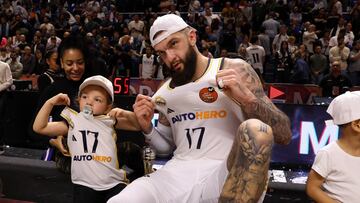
{"x":73,"y":42}
{"x":281,"y":47}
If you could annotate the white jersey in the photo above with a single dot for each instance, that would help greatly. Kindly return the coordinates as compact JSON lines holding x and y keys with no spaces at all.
{"x":340,"y":171}
{"x":148,"y":66}
{"x":92,"y":145}
{"x":256,"y":56}
{"x":203,"y":119}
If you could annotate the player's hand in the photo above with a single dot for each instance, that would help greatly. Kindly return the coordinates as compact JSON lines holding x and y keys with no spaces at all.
{"x":234,"y":85}
{"x":144,"y":111}
{"x":60,"y":99}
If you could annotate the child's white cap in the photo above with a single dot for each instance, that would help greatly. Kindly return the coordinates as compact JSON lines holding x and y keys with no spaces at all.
{"x":344,"y":108}
{"x":101,"y":81}
{"x":167,"y":25}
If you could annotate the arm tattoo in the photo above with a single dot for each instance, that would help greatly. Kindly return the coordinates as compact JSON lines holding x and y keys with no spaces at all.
{"x":266,"y":111}
{"x":263,"y":109}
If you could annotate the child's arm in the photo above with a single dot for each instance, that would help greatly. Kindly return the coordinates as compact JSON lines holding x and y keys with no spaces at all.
{"x":41,"y":124}
{"x":314,"y":190}
{"x":126,"y":120}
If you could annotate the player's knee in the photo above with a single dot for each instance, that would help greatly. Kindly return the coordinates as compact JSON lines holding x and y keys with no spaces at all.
{"x":256,"y":130}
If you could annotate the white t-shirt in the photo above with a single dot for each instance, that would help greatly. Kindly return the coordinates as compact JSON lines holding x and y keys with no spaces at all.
{"x":341,"y":173}
{"x":92,"y":146}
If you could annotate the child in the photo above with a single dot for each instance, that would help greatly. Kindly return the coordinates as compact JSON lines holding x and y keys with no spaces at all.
{"x":91,"y":138}
{"x":334,"y":176}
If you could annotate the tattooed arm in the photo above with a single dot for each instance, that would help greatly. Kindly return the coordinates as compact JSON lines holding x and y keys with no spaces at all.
{"x":242,"y":84}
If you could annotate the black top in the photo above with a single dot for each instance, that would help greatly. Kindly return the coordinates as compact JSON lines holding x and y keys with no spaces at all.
{"x":47,"y":78}
{"x":332,"y":87}
{"x":65,"y":86}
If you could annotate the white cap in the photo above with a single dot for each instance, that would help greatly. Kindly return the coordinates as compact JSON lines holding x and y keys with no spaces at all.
{"x":167,"y":25}
{"x":344,"y":108}
{"x":101,"y":81}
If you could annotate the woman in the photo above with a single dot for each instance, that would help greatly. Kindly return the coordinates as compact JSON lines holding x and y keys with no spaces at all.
{"x":283,"y":63}
{"x":52,"y":73}
{"x":72,"y":54}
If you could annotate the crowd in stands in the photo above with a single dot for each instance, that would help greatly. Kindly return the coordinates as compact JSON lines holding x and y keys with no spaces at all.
{"x":294,"y":41}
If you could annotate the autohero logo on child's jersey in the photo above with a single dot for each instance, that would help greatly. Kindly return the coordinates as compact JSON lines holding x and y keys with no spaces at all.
{"x":88,"y":157}
{"x":208,"y":94}
{"x":199,"y":115}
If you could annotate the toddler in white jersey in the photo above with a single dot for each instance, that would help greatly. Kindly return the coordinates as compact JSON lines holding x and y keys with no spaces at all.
{"x":91,"y":138}
{"x":334,"y":175}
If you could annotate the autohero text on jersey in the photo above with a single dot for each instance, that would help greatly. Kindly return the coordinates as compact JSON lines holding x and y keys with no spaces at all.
{"x":199,"y":115}
{"x":92,"y":157}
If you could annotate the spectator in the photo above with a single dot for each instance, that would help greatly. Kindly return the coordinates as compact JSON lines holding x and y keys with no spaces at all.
{"x":52,"y":72}
{"x":209,"y":40}
{"x":40,"y":62}
{"x":301,"y":71}
{"x":354,"y":67}
{"x":264,"y":41}
{"x":52,"y":43}
{"x":325,"y":39}
{"x":15,"y":66}
{"x":148,"y":63}
{"x":283,"y":63}
{"x":340,"y":53}
{"x":227,"y":38}
{"x":318,"y":64}
{"x":349,"y":35}
{"x":256,"y":54}
{"x":136,"y":26}
{"x":5,"y":54}
{"x":296,"y":14}
{"x":335,"y":83}
{"x":5,"y":82}
{"x":28,"y":61}
{"x":228,"y":12}
{"x":47,"y":26}
{"x":271,"y":26}
{"x":279,"y":38}
{"x":309,"y":38}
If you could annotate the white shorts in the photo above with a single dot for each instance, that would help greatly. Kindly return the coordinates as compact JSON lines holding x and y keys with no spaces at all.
{"x":178,"y":181}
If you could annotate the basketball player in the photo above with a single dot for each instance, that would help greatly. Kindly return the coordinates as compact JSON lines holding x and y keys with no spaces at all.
{"x":217,"y":119}
{"x":91,"y":138}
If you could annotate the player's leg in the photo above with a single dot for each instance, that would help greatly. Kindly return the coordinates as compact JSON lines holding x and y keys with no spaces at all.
{"x":138,"y":191}
{"x":248,"y":163}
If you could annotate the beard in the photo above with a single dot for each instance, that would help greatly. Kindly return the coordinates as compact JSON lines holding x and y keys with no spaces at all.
{"x":179,"y":78}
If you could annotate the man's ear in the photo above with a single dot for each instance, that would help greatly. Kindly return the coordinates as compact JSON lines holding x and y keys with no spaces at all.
{"x":192,"y":37}
{"x":356,"y":125}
